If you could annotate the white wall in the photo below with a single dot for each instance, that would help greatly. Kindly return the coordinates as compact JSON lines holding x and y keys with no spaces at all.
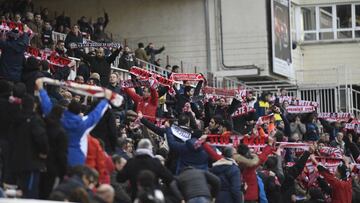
{"x":320,"y":62}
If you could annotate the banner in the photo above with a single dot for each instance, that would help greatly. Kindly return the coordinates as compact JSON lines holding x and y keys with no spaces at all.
{"x":86,"y":90}
{"x":186,"y":76}
{"x":244,"y":109}
{"x":219,"y":91}
{"x":335,"y":116}
{"x":281,"y":42}
{"x":300,"y":109}
{"x":95,"y":45}
{"x":294,"y":101}
{"x":134,"y":83}
{"x":304,"y":103}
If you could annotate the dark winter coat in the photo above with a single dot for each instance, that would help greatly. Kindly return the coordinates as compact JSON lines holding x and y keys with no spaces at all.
{"x":193,"y":183}
{"x":229,"y":174}
{"x":28,"y":141}
{"x":106,"y":131}
{"x":56,"y":161}
{"x":12,"y":57}
{"x":72,"y":38}
{"x":126,"y":61}
{"x":29,"y":77}
{"x":139,"y":163}
{"x":151,"y":52}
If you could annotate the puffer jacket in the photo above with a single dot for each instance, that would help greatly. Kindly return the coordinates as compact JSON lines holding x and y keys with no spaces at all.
{"x":229,"y":175}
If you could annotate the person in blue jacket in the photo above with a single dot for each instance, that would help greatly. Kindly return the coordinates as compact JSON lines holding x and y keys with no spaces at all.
{"x":189,"y":154}
{"x":76,"y":126}
{"x":229,"y":173}
{"x":12,"y":54}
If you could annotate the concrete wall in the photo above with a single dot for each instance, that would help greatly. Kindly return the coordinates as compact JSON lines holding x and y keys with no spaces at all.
{"x":179,"y":25}
{"x":244,"y":26}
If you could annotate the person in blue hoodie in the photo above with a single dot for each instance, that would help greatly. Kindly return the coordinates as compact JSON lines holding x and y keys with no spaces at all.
{"x":189,"y":154}
{"x":12,"y":54}
{"x":229,"y":173}
{"x":77,"y":127}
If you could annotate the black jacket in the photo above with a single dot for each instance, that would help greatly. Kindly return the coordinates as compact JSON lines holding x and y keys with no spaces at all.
{"x":102,"y":66}
{"x":12,"y":57}
{"x":29,"y":77}
{"x":126,"y":61}
{"x":152,"y":52}
{"x":56,"y":161}
{"x":28,"y":140}
{"x":139,"y":163}
{"x":72,"y":38}
{"x":106,"y":131}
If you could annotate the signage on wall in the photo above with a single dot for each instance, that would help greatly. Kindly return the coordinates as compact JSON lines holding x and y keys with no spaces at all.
{"x":281,"y":37}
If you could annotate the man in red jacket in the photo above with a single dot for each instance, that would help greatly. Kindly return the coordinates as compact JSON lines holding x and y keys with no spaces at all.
{"x":341,"y":182}
{"x":148,"y":103}
{"x":249,"y":173}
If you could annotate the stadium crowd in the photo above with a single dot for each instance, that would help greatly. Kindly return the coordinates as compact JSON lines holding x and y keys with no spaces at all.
{"x":161,"y":144}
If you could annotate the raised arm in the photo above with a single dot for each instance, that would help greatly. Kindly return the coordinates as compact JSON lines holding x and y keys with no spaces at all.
{"x":135,"y":97}
{"x":159,"y":131}
{"x":158,"y":51}
{"x":154,"y":96}
{"x":46,"y":104}
{"x":211,"y":152}
{"x":113,"y":56}
{"x":95,"y":115}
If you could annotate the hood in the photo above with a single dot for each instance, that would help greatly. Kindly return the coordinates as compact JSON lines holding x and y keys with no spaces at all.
{"x":70,"y":120}
{"x":222,"y":165}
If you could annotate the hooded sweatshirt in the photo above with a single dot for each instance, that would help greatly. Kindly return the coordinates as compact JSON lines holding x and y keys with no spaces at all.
{"x":76,"y":127}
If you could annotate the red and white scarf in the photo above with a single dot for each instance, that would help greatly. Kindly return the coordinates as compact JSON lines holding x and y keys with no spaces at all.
{"x":86,"y":90}
{"x":300,"y":109}
{"x":187,"y":76}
